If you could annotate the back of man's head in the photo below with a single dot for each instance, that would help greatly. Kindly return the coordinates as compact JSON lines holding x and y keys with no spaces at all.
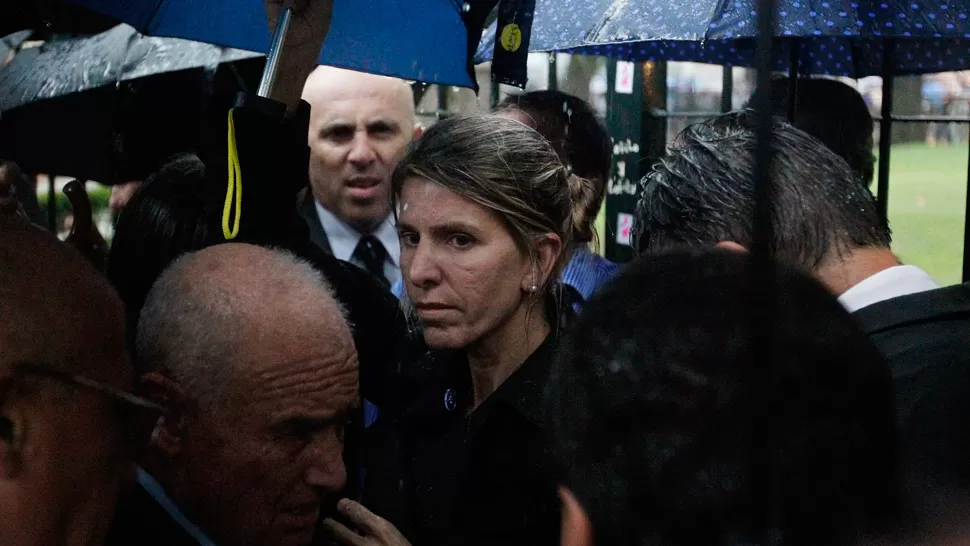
{"x":660,"y":409}
{"x":165,"y":218}
{"x":833,"y":112}
{"x":571,"y":126}
{"x":702,"y":192}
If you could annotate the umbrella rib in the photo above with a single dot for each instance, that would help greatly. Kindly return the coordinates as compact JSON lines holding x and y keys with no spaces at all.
{"x":719,"y":8}
{"x":151,"y":18}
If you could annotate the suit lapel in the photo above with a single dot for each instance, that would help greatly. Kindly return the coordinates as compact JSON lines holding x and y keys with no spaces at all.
{"x":308,"y":209}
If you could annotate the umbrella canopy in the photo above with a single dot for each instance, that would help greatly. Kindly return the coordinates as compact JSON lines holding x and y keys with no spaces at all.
{"x":835,"y":37}
{"x":422,"y":40}
{"x":121,"y":54}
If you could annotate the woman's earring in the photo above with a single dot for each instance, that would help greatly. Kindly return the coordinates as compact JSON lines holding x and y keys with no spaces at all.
{"x":532,"y":289}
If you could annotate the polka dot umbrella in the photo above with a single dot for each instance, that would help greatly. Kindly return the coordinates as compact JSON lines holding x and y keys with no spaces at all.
{"x":832,"y":37}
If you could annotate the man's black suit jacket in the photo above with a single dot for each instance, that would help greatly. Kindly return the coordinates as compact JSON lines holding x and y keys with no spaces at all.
{"x":925,"y":338}
{"x":141,"y":521}
{"x":308,"y":209}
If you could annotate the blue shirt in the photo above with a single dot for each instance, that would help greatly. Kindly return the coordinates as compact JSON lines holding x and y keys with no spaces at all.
{"x":155,"y":490}
{"x":587,"y":271}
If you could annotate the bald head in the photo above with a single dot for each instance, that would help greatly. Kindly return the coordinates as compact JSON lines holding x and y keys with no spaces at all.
{"x":253,"y":359}
{"x":55,"y":309}
{"x":359,"y":126}
{"x":327,"y":83}
{"x":213,"y":311}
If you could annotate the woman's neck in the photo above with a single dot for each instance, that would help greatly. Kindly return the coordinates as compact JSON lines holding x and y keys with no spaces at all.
{"x":496,"y":356}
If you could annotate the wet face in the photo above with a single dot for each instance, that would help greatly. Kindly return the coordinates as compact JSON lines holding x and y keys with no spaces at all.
{"x":463,"y":271}
{"x":359,"y":127}
{"x":62,"y":457}
{"x":259,"y":467}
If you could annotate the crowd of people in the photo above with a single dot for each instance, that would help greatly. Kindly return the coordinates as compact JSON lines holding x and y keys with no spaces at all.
{"x":406,"y":339}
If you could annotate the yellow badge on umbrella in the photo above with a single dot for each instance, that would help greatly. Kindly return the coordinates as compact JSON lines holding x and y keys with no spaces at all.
{"x":511,"y":37}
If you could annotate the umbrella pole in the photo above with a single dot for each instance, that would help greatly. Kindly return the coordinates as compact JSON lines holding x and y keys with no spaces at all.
{"x":727,"y":89}
{"x":51,"y":204}
{"x":763,"y":290}
{"x":793,"y":52}
{"x":885,"y":130}
{"x":966,"y":230}
{"x":268,"y":81}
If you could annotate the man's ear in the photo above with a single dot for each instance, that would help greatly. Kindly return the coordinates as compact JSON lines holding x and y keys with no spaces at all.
{"x":418,"y":130}
{"x":170,"y":428}
{"x":732,"y":246}
{"x":547,"y":249}
{"x":577,"y":530}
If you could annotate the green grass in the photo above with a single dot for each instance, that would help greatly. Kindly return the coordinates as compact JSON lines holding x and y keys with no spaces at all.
{"x":927,"y":202}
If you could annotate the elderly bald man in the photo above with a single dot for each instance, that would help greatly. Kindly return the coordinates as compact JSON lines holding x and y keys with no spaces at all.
{"x":253,"y":359}
{"x":66,"y":422}
{"x":359,"y":126}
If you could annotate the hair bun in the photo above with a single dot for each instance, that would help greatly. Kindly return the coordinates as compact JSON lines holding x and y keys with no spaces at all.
{"x":582,"y":193}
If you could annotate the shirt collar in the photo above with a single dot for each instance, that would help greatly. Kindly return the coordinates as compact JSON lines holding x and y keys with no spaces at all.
{"x":155,"y":490}
{"x":900,"y":280}
{"x":343,"y":238}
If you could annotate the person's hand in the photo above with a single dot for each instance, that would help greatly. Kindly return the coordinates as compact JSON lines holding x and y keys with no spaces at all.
{"x":301,"y":48}
{"x":377,"y":530}
{"x":309,"y":24}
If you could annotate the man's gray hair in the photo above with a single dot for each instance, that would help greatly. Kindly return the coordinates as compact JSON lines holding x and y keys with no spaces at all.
{"x":194,"y":320}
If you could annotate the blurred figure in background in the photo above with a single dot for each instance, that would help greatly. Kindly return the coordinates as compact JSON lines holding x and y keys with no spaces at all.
{"x":120,"y":195}
{"x":253,"y":360}
{"x":359,"y":126}
{"x":702,"y":195}
{"x":660,"y":412}
{"x":585,"y":148}
{"x":24,"y":191}
{"x":164,"y":219}
{"x":68,"y":429}
{"x":833,"y":112}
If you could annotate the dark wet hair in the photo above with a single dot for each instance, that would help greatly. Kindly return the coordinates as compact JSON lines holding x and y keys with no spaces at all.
{"x":833,"y":112}
{"x":164,"y":219}
{"x":702,"y":193}
{"x":654,"y":401}
{"x":571,"y":126}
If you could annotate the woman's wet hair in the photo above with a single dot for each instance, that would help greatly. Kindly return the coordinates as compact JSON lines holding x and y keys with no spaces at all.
{"x":503,"y":166}
{"x":571,"y":126}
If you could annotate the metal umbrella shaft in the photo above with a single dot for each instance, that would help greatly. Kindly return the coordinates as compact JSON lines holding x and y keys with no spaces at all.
{"x":270,"y":72}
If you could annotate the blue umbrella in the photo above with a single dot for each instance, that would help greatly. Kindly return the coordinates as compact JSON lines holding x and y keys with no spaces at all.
{"x":833,"y":37}
{"x":422,"y":40}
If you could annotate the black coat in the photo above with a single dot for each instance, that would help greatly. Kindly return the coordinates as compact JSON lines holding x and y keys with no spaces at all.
{"x":308,"y":210}
{"x":141,"y":521}
{"x":925,"y":338}
{"x":444,"y":479}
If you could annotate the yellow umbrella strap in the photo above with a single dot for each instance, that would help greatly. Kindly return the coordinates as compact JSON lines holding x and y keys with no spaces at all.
{"x":233,"y":187}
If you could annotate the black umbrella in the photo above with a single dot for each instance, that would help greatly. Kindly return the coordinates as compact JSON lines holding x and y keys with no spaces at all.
{"x":121,"y":54}
{"x":112,"y":106}
{"x":49,"y":18}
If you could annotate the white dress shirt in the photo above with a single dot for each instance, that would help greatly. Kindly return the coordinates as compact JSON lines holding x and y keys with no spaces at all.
{"x":900,"y":280}
{"x":343,"y":240}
